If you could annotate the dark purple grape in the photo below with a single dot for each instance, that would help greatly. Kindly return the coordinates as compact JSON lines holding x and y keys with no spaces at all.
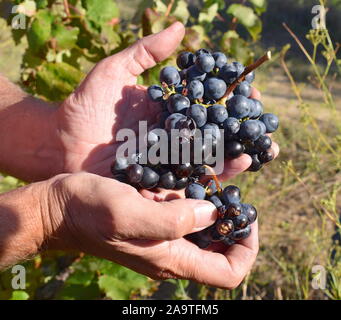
{"x":271,"y":122}
{"x":233,"y":149}
{"x":231,"y":127}
{"x":220,"y":59}
{"x":149,"y":179}
{"x":266,"y":156}
{"x":195,"y":191}
{"x":181,"y":183}
{"x":231,"y":194}
{"x":201,"y":51}
{"x":249,"y":130}
{"x":135,"y":173}
{"x":215,"y":200}
{"x":120,"y":164}
{"x":183,"y":170}
{"x":170,"y":76}
{"x":217,"y":114}
{"x":263,"y":143}
{"x":233,"y":209}
{"x":240,"y":221}
{"x":177,"y":102}
{"x":256,"y":109}
{"x":215,"y":88}
{"x":202,"y":239}
{"x":167,"y":180}
{"x":241,"y":233}
{"x":172,"y":121}
{"x":256,"y":165}
{"x":195,"y":90}
{"x":185,"y":60}
{"x":243,"y":89}
{"x":228,"y":241}
{"x":204,"y":62}
{"x":250,"y":211}
{"x":238,"y":106}
{"x":198,"y":113}
{"x":194,"y":74}
{"x":250,"y":77}
{"x":155,"y":93}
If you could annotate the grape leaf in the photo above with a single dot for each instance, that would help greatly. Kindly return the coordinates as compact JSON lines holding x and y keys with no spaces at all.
{"x":40,"y":31}
{"x":19,"y":295}
{"x":100,"y":12}
{"x":258,"y":3}
{"x":57,"y":80}
{"x":245,"y":15}
{"x":208,"y":14}
{"x":66,"y":37}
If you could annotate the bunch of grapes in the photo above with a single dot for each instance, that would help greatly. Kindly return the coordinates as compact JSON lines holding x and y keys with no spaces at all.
{"x":211,"y":96}
{"x":234,"y":217}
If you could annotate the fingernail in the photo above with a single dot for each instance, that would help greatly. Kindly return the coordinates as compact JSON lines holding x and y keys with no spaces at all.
{"x":205,"y":214}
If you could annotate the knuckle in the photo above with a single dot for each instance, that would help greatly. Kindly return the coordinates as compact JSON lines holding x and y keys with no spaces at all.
{"x":179,"y":224}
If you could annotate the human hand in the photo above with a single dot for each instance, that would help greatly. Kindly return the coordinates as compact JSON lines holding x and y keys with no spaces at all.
{"x":109,"y":100}
{"x":109,"y":219}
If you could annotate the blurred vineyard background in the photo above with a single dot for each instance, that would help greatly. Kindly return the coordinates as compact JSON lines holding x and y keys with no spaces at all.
{"x":298,"y":195}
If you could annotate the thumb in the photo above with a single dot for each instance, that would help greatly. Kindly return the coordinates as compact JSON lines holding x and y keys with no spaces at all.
{"x":170,"y":220}
{"x":146,"y":52}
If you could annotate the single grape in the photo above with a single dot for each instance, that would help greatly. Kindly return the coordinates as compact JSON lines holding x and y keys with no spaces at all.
{"x":211,"y":129}
{"x":195,"y":191}
{"x":223,"y":227}
{"x":228,"y":241}
{"x":167,"y":180}
{"x":215,"y":88}
{"x":182,"y":170}
{"x":185,"y":60}
{"x":249,"y":130}
{"x":205,"y":62}
{"x":233,"y":149}
{"x":135,"y":173}
{"x":243,"y":89}
{"x":266,"y":156}
{"x":250,"y":211}
{"x":238,"y":106}
{"x":231,"y":194}
{"x":217,"y":114}
{"x":250,"y":77}
{"x":220,"y":59}
{"x":181,"y":183}
{"x":194,"y":74}
{"x":195,"y":90}
{"x":271,"y":122}
{"x":228,"y":72}
{"x":233,"y":209}
{"x":240,"y":221}
{"x":256,"y":109}
{"x":231,"y":127}
{"x":170,"y":76}
{"x":155,"y":93}
{"x":177,"y":102}
{"x":149,"y":179}
{"x":173,"y":119}
{"x":215,"y":200}
{"x":198,"y":113}
{"x":256,"y":165}
{"x":201,"y":51}
{"x":262,"y":127}
{"x":241,"y":233}
{"x":263,"y":143}
{"x":202,"y":238}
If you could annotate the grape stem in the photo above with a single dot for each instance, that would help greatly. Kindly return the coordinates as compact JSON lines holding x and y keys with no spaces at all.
{"x":214,"y":176}
{"x":247,"y":70}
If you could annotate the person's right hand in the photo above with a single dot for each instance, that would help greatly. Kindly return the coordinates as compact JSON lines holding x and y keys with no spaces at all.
{"x":112,"y":220}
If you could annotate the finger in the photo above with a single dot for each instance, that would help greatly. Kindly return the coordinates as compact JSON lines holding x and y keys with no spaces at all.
{"x":275,"y":149}
{"x":182,"y":259}
{"x":255,"y":94}
{"x":242,"y":255}
{"x":149,"y":50}
{"x":235,"y":166}
{"x":167,"y":220}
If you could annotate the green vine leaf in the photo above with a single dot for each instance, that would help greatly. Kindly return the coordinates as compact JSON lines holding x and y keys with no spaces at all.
{"x":66,"y":37}
{"x":19,"y":295}
{"x":40,"y":31}
{"x":57,"y":80}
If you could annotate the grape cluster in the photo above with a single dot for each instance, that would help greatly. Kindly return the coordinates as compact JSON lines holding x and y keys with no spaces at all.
{"x":234,"y":219}
{"x":212,"y":96}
